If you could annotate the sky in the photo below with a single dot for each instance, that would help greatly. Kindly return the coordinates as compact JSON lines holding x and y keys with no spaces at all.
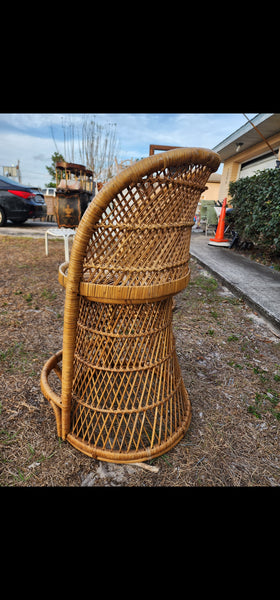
{"x":32,"y":138}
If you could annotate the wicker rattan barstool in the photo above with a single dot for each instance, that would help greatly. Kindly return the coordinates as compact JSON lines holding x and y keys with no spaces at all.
{"x":122,"y":397}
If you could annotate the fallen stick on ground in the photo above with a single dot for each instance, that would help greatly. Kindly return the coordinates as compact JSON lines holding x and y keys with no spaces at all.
{"x":146,"y":467}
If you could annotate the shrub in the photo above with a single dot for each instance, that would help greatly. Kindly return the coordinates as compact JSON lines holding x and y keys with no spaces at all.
{"x":256,"y":203}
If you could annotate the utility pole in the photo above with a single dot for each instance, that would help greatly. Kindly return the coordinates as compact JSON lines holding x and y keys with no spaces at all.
{"x":18,"y":172}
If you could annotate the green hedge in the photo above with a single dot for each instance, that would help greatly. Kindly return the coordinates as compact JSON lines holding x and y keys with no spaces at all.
{"x":256,"y":203}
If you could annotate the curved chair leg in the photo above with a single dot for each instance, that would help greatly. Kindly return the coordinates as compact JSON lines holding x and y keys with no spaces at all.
{"x":52,"y":365}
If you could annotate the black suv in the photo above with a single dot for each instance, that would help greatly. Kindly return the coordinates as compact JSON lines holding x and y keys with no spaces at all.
{"x":19,"y":202}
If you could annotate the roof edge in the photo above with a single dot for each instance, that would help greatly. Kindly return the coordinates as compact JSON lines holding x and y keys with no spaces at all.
{"x":257,"y":120}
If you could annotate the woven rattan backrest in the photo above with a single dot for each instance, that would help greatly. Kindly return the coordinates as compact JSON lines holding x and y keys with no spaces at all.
{"x":132,"y":243}
{"x":143,"y":235}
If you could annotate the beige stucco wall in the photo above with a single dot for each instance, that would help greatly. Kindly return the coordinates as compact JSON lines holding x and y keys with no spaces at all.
{"x":212,"y":192}
{"x":232,"y":164}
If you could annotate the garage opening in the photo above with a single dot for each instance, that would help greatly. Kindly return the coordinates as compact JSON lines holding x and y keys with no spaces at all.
{"x":266,"y":161}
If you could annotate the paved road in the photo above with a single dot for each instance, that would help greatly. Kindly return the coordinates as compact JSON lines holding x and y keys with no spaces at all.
{"x":257,"y":284}
{"x":28,"y":229}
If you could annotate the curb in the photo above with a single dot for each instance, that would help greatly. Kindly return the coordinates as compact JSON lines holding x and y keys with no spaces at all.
{"x":235,"y":289}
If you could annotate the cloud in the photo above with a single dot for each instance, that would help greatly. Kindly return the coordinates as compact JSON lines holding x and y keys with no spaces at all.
{"x":28,"y":137}
{"x":32,"y":152}
{"x":42,"y":157}
{"x":37,"y":124}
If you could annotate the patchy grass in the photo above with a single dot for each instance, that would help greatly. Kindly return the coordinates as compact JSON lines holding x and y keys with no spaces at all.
{"x":230,"y":362}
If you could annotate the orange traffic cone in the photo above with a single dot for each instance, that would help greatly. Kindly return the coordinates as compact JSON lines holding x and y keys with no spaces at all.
{"x":219,"y":239}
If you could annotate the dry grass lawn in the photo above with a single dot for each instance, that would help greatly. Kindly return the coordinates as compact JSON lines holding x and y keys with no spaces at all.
{"x":230,"y":361}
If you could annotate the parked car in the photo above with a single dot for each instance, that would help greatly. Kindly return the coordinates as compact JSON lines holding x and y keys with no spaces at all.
{"x":49,"y":192}
{"x":19,"y":202}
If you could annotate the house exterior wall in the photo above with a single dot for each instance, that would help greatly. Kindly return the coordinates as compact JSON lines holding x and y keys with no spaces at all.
{"x":231,"y":168}
{"x":212,"y":192}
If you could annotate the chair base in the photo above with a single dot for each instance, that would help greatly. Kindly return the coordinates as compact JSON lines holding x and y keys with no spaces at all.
{"x":152,"y":451}
{"x":138,"y":456}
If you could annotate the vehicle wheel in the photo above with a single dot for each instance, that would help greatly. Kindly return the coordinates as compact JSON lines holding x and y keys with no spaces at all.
{"x":3,"y":218}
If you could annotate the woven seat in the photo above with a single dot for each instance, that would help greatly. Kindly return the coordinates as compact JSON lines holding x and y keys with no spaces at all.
{"x":122,"y":395}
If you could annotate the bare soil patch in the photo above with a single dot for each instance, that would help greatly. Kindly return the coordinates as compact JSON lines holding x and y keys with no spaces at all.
{"x":230,"y":361}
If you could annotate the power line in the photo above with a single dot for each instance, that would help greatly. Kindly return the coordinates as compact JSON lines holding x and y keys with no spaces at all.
{"x":258,"y":131}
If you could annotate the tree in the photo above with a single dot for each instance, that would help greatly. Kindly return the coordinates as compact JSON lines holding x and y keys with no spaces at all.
{"x":56,"y":156}
{"x":94,"y":144}
{"x":98,"y":147}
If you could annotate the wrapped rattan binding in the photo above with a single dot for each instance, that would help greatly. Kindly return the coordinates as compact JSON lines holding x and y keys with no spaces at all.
{"x":123,"y":397}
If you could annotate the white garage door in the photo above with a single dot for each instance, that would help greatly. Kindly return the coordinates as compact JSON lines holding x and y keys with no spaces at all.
{"x":265,"y":162}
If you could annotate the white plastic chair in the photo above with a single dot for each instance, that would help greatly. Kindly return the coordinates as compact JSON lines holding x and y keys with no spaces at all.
{"x":62,"y":232}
